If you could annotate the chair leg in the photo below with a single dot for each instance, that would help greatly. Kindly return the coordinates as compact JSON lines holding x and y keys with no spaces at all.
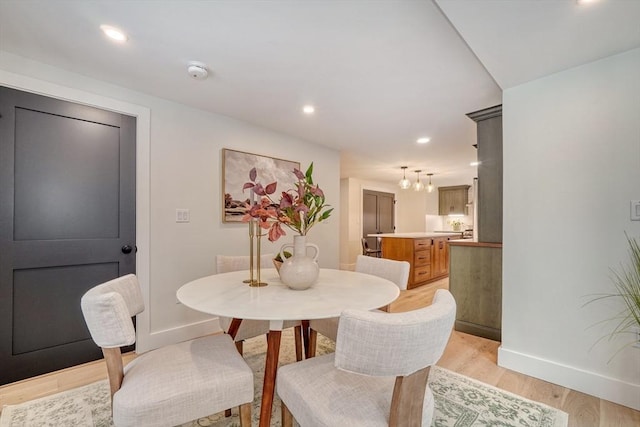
{"x":407,"y":399}
{"x":313,"y":338}
{"x":245,"y":415}
{"x":287,"y":418}
{"x":113,"y":359}
{"x":298,"y":338}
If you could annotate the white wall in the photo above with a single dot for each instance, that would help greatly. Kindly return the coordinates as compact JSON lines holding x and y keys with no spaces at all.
{"x":184,"y":172}
{"x":571,"y":167}
{"x":351,"y":216}
{"x":411,"y":208}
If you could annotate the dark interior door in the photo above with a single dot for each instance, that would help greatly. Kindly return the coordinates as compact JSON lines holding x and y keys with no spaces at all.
{"x":67,"y":209}
{"x":377,"y":215}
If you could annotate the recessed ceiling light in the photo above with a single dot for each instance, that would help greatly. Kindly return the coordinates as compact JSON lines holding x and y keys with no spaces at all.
{"x":586,"y":1}
{"x":474,"y":163}
{"x":114,"y":33}
{"x":423,"y":140}
{"x":308,"y":109}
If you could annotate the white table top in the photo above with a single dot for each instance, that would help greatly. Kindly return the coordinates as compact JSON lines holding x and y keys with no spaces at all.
{"x":336,"y":290}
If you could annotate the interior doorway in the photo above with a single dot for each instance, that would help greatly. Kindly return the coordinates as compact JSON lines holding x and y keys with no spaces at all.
{"x":67,"y":223}
{"x":377,"y":215}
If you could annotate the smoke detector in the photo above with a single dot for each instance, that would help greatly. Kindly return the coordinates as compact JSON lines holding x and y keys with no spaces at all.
{"x":197,"y":70}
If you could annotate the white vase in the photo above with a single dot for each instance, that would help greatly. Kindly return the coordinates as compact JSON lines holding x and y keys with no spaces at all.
{"x":299,"y":271}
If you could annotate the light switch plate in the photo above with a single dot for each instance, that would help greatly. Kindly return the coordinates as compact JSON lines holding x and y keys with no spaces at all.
{"x":183,"y":215}
{"x":635,"y":210}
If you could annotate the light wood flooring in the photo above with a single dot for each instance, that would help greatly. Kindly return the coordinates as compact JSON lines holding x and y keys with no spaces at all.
{"x":469,"y":355}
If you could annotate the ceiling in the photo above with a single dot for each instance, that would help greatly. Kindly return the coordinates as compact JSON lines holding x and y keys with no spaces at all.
{"x":381,"y":74}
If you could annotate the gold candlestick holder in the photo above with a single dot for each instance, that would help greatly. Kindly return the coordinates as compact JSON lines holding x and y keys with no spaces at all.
{"x":254,"y":256}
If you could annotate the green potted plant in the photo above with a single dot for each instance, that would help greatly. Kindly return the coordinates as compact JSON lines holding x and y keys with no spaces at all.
{"x":626,"y":281}
{"x":456,"y":224}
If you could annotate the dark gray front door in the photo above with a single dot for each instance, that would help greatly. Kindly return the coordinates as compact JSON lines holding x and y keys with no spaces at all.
{"x":377,"y":215}
{"x":67,"y":209}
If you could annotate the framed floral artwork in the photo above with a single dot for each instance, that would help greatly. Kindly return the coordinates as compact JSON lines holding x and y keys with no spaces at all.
{"x":235,"y":173}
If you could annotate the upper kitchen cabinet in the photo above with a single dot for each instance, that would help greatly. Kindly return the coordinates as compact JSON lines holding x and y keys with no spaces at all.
{"x":453,"y":200}
{"x":489,"y":203}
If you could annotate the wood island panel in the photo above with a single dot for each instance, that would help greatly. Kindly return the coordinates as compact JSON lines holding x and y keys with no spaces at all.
{"x":440,"y":258}
{"x":475,"y":280}
{"x":428,"y":257}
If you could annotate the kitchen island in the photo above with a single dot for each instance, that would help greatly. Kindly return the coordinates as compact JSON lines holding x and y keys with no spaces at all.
{"x":426,"y":252}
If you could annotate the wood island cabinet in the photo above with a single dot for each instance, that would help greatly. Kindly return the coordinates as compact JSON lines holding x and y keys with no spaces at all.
{"x":428,"y":257}
{"x":440,"y":262}
{"x":420,"y":262}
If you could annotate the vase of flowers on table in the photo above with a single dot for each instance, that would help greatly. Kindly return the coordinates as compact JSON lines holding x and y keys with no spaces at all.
{"x":298,"y":209}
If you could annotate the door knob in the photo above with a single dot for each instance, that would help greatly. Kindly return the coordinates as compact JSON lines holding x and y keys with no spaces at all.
{"x":126,"y":249}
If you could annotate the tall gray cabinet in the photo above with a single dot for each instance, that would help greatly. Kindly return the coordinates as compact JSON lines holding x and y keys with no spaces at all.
{"x":475,"y":271}
{"x":489,"y":203}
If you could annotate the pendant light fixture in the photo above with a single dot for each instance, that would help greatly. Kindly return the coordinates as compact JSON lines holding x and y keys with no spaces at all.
{"x":418,"y":186}
{"x":430,"y":185}
{"x":404,"y":182}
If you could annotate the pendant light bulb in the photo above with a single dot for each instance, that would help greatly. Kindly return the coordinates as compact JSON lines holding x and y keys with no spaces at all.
{"x":430,"y":186}
{"x":404,"y":182}
{"x":418,"y":186}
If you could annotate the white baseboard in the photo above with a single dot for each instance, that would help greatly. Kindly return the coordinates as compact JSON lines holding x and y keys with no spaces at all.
{"x":191,"y":331}
{"x":611,"y":389}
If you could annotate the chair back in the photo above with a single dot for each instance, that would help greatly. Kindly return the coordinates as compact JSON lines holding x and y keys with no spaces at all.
{"x":395,"y":344}
{"x":396,"y":271}
{"x":227,"y":263}
{"x":108,"y":309}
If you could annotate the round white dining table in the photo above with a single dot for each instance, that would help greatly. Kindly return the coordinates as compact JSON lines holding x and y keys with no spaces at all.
{"x":336,"y":290}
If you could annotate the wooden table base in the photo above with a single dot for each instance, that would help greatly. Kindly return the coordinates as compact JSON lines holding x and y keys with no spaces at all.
{"x":271,"y":366}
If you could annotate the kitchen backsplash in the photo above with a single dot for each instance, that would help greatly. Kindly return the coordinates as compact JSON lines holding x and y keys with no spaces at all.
{"x":443,"y":223}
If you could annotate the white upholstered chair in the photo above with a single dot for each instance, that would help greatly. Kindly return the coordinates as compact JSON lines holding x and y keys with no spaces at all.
{"x":396,"y":271}
{"x":170,"y":385}
{"x":378,"y":374}
{"x":253,"y":328}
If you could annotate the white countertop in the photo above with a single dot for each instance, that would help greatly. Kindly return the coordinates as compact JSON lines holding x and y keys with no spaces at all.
{"x":418,"y":235}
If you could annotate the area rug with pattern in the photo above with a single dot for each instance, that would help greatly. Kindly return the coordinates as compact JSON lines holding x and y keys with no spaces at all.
{"x":459,"y":401}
